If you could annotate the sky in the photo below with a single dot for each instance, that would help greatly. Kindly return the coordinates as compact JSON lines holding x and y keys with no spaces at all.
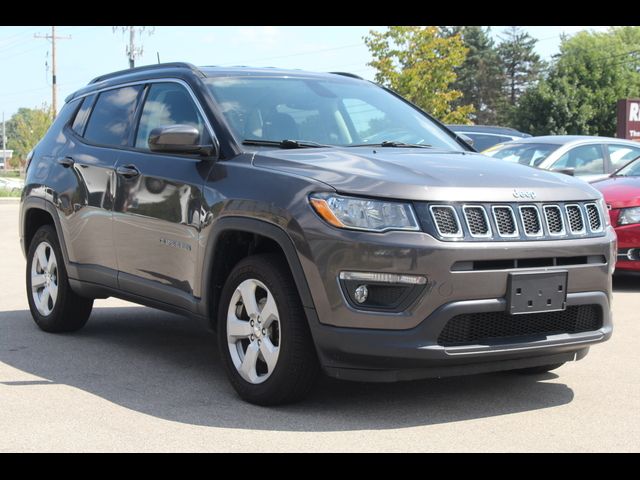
{"x":25,"y":80}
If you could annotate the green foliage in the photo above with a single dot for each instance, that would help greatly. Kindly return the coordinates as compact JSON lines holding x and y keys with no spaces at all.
{"x":5,"y":192}
{"x":480,"y":77}
{"x":25,"y":128}
{"x":579,"y":94}
{"x":521,"y":65}
{"x":419,"y":63}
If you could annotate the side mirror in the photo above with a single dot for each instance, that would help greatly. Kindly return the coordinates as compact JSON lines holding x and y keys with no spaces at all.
{"x":178,"y":139}
{"x":466,"y":139}
{"x":567,"y":171}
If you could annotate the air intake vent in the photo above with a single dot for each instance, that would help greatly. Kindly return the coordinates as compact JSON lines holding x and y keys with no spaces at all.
{"x":505,"y":221}
{"x":446,"y":220}
{"x":554,"y":219}
{"x":531,"y":221}
{"x":477,"y":221}
{"x":595,"y":223}
{"x":576,"y":222}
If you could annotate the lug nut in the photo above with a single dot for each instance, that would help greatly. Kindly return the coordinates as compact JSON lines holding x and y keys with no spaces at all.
{"x":264,"y":331}
{"x":252,"y":337}
{"x":258,"y":342}
{"x":251,"y":323}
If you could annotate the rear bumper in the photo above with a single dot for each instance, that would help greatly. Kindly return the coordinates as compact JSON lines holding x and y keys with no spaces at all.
{"x":392,"y":355}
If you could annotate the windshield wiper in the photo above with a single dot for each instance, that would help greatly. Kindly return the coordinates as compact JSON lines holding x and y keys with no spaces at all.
{"x":286,"y":143}
{"x":388,"y":143}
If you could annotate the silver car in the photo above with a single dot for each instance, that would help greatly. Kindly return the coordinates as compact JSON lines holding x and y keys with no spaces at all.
{"x":590,"y":158}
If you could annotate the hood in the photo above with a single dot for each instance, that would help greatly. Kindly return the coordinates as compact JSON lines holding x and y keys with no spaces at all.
{"x":425,"y":174}
{"x":620,"y":192}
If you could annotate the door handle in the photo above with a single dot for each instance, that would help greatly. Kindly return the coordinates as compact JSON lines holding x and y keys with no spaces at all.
{"x":128,"y":171}
{"x":66,"y":162}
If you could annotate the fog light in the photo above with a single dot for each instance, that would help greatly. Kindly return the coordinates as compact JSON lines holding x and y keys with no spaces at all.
{"x":633,"y":254}
{"x":361,"y":293}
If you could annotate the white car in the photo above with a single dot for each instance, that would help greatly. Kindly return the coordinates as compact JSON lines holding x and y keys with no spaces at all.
{"x":590,"y":158}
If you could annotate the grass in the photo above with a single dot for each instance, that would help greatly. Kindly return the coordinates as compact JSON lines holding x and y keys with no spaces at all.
{"x":9,"y":193}
{"x":10,"y":173}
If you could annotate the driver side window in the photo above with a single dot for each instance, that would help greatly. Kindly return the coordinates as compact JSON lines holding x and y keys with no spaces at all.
{"x":168,"y":104}
{"x":586,"y":160}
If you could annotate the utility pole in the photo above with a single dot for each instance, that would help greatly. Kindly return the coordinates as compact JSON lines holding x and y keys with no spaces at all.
{"x":4,"y":144}
{"x":134,"y":51}
{"x":54,"y":83}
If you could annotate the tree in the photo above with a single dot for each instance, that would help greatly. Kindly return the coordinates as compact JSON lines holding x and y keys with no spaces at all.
{"x":521,"y":65}
{"x":25,"y":128}
{"x":480,"y":77}
{"x":579,"y":94}
{"x":419,"y":63}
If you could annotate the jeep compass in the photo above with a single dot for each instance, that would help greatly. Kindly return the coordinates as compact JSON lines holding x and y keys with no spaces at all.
{"x":317,"y":222}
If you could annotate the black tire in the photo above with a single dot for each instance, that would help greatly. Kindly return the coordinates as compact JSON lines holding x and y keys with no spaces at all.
{"x":297,"y":367}
{"x":70,"y":312}
{"x":538,"y":370}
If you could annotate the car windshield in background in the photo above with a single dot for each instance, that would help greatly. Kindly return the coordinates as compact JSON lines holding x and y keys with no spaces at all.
{"x":335,"y":112}
{"x":532,"y":154}
{"x":630,"y":170}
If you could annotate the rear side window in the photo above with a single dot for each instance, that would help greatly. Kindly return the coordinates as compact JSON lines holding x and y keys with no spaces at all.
{"x":620,"y":155}
{"x":585,"y":160}
{"x":83,"y":114}
{"x":112,"y":117}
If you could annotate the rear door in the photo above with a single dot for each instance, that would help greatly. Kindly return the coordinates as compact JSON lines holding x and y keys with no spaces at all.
{"x":100,"y":130}
{"x":159,"y":206}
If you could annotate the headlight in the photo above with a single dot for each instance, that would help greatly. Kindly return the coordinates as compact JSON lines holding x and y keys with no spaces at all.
{"x":629,"y":215}
{"x":364,"y":213}
{"x":604,"y":209}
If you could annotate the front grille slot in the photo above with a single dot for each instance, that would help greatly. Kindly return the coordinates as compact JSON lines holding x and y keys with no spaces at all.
{"x":446,"y":220}
{"x":576,"y":222}
{"x":595,"y":223}
{"x":531,"y":221}
{"x":477,"y":221}
{"x":505,"y":221}
{"x":508,"y":264}
{"x":553,"y":216}
{"x":500,"y":327}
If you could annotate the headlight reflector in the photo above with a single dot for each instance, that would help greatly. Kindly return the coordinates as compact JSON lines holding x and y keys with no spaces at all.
{"x":364,"y":213}
{"x":629,"y":216}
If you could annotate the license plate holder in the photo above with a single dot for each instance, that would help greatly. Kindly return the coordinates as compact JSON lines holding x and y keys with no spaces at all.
{"x":537,"y":292}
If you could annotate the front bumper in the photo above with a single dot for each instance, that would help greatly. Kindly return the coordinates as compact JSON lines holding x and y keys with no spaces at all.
{"x":381,"y":346}
{"x":628,"y":238}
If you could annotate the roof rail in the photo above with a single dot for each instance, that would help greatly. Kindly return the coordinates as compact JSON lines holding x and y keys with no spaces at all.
{"x":145,"y":68}
{"x":347,"y":74}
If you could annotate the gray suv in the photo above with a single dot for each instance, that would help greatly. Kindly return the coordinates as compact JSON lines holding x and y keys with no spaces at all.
{"x":317,"y":222}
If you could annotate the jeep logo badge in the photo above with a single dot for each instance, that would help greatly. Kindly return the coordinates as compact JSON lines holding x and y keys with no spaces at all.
{"x":524,"y":194}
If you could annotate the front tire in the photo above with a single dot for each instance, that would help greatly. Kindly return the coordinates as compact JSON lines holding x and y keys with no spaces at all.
{"x":263,"y":336}
{"x":54,"y":306}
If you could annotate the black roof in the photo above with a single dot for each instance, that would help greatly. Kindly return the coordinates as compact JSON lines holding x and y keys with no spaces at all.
{"x":184,"y":69}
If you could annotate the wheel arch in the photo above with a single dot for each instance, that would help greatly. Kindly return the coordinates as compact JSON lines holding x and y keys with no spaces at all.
{"x":36,"y":212}
{"x":215,"y":254}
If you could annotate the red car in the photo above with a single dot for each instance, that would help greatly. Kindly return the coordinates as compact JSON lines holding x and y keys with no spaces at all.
{"x":622,"y":193}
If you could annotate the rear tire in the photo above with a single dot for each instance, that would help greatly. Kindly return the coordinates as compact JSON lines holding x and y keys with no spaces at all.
{"x":54,"y":306}
{"x":538,"y":370}
{"x":263,"y":335}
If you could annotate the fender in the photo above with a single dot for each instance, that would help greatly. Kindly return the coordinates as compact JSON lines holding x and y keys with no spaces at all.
{"x":40,"y":203}
{"x":260,"y":227}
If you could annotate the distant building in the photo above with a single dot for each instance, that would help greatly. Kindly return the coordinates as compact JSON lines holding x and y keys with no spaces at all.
{"x":5,"y":154}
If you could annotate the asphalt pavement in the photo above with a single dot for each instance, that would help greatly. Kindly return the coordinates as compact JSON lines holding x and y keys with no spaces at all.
{"x":137,"y":379}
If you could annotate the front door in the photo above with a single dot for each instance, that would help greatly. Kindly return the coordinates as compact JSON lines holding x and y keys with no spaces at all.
{"x":157,"y":211}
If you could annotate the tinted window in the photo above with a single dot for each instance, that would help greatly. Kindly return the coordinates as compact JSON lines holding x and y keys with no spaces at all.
{"x":111,"y":119}
{"x":586,"y":160}
{"x":167,"y":104}
{"x":334,"y":111}
{"x":620,"y":155}
{"x":532,"y":154}
{"x":83,"y":114}
{"x":482,"y":142}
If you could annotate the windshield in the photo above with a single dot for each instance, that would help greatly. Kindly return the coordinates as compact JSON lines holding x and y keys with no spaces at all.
{"x":630,"y":170}
{"x":532,"y":154}
{"x":337,"y":112}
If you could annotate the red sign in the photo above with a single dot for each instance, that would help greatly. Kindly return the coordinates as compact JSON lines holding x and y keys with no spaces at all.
{"x":629,"y":119}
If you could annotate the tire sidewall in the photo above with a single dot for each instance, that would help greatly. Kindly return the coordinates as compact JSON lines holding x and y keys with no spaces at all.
{"x":47,"y":234}
{"x":277,"y":288}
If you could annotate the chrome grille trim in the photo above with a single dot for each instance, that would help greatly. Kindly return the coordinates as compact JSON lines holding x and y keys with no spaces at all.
{"x":488,"y":233}
{"x":546,"y":209}
{"x":458,"y":233}
{"x":540,"y":231}
{"x":515,"y":233}
{"x":567,"y":208}
{"x":589,"y":207}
